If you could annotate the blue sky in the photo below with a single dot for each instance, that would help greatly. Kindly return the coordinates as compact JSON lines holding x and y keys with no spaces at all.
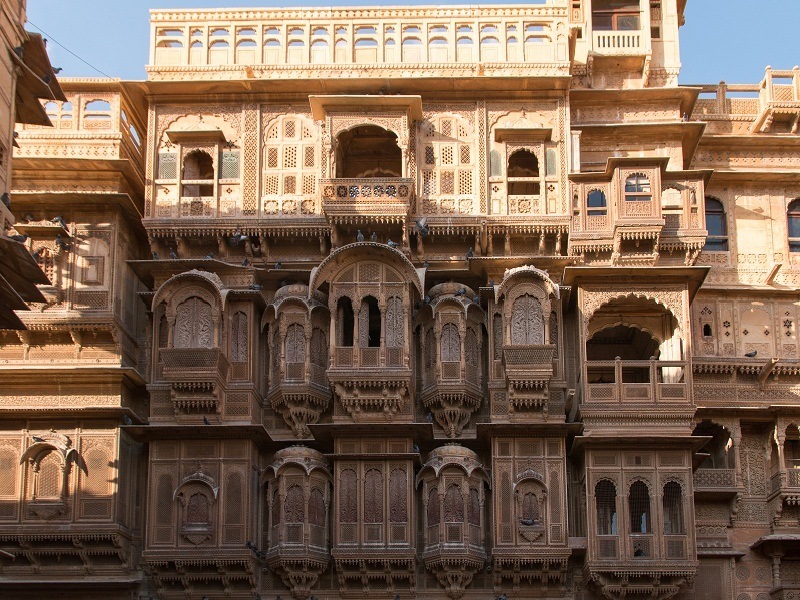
{"x":731,"y":40}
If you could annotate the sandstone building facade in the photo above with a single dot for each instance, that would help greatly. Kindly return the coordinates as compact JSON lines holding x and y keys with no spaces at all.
{"x":456,"y":302}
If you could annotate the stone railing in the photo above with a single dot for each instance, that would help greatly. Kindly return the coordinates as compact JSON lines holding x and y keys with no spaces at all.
{"x":619,"y":42}
{"x":277,"y":42}
{"x":348,"y":357}
{"x":657,"y":390}
{"x":777,"y":88}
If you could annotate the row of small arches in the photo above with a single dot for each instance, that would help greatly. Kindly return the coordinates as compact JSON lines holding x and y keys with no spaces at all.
{"x":359,"y":43}
{"x":639,"y":508}
{"x":436,"y":29}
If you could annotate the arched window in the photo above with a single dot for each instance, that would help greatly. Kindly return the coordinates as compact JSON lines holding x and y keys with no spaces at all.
{"x":294,"y":506}
{"x":198,"y":166}
{"x":527,"y":326}
{"x":596,"y":204}
{"x":193,"y":326}
{"x":637,"y":188}
{"x":373,"y":496}
{"x":316,"y":508}
{"x":530,"y":508}
{"x":793,"y":218}
{"x":673,"y":509}
{"x":49,"y":479}
{"x":239,"y":338}
{"x":639,"y":506}
{"x":295,"y":351}
{"x":345,"y":321}
{"x":605,"y":496}
{"x":394,"y":323}
{"x":197,"y":512}
{"x":348,"y":496}
{"x":453,"y":505}
{"x":474,"y":515}
{"x":523,"y":173}
{"x":716,"y":224}
{"x":369,"y":326}
{"x":433,"y":507}
{"x":450,"y":344}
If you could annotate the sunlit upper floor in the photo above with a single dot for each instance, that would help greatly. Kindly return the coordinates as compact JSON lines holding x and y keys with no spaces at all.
{"x":542,"y":38}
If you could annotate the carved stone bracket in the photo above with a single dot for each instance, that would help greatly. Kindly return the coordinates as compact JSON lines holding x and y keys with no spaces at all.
{"x":299,"y":575}
{"x":454,"y":573}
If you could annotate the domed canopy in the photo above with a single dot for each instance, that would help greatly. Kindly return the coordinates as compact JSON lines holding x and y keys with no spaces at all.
{"x":347,"y":256}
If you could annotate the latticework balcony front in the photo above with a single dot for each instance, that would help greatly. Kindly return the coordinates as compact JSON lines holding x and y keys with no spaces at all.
{"x":377,"y":200}
{"x":452,"y":395}
{"x":529,"y":369}
{"x":300,"y":395}
{"x":715,"y":483}
{"x":196,"y":376}
{"x":371,"y":383}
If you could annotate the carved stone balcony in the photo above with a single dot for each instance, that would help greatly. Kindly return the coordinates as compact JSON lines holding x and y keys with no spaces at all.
{"x":371,"y":383}
{"x":196,"y":376}
{"x":380,"y":200}
{"x":528,"y":373}
{"x":632,"y":388}
{"x":715,"y":483}
{"x":658,"y":390}
{"x":619,"y":43}
{"x":300,"y":396}
{"x":453,"y":396}
{"x":653,"y":565}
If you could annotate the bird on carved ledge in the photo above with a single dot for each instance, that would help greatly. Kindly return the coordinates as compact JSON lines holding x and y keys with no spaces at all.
{"x":392,"y":244}
{"x":374,"y":237}
{"x":359,"y":236}
{"x":172,"y":254}
{"x":751,"y":354}
{"x":470,"y":253}
{"x":210,"y":256}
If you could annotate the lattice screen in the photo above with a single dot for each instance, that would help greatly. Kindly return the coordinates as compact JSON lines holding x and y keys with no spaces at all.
{"x":290,"y":157}
{"x":447,"y":151}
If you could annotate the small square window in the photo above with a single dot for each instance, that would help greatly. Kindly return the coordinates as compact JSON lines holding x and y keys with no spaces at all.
{"x":92,"y":270}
